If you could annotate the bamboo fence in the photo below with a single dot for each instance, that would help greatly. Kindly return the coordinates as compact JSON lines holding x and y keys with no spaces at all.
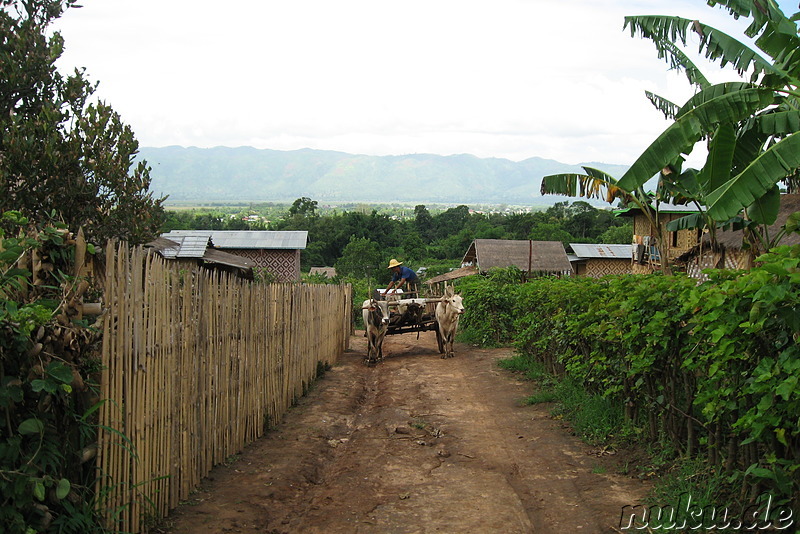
{"x":196,"y":365}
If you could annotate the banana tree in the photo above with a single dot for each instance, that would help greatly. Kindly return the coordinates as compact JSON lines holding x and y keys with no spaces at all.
{"x":752,"y":126}
{"x":601,"y":185}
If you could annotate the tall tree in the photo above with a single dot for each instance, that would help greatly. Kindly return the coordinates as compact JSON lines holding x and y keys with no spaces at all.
{"x":59,"y":154}
{"x":752,"y":125}
{"x":303,"y":207}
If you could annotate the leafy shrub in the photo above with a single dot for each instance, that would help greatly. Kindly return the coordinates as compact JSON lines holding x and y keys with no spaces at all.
{"x":48,"y":391}
{"x":710,"y":370}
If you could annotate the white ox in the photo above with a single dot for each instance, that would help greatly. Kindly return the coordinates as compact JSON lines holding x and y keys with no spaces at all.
{"x":448,"y":310}
{"x":376,"y":322}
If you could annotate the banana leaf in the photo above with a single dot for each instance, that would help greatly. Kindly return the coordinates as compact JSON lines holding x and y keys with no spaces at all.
{"x":765,"y":209}
{"x":712,"y":92}
{"x":717,"y":169}
{"x":715,"y":44}
{"x":687,"y":222}
{"x":681,"y":136}
{"x":777,"y":162}
{"x":663,"y":105}
{"x":777,"y":123}
{"x":594,"y":184}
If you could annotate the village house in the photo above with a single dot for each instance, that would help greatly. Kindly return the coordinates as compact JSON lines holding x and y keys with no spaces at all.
{"x":731,"y":251}
{"x":276,"y":253}
{"x":190,"y":250}
{"x":531,"y":257}
{"x":596,"y":261}
{"x":645,"y":250}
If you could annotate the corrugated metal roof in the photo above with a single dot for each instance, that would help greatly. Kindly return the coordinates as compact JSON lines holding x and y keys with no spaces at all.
{"x":588,"y":250}
{"x":180,"y":246}
{"x":257,"y":239}
{"x":192,"y":246}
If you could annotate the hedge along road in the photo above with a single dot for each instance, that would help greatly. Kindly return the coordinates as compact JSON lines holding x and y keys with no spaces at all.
{"x":415,"y":444}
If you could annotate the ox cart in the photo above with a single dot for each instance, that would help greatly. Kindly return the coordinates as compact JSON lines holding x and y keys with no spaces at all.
{"x":412,"y":314}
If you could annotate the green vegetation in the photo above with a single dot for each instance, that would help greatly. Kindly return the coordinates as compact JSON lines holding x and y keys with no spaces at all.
{"x":48,"y":385}
{"x":709,"y":372}
{"x":436,"y":239}
{"x":749,"y":128}
{"x":59,"y":152}
{"x":66,"y":163}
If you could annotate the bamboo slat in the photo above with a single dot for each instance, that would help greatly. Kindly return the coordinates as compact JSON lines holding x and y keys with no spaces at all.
{"x":196,"y":366}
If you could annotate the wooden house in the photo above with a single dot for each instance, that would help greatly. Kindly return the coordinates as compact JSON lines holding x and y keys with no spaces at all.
{"x":277,"y":253}
{"x":195,"y":250}
{"x":595,"y":260}
{"x":531,"y":257}
{"x":645,"y":250}
{"x":729,"y":251}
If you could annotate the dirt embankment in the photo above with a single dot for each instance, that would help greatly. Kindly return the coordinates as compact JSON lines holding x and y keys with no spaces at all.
{"x":416,"y":444}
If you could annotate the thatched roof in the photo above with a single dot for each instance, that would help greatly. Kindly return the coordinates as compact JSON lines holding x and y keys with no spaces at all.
{"x":330,"y":272}
{"x":526,"y":255}
{"x":789,"y":204}
{"x":452,"y":275}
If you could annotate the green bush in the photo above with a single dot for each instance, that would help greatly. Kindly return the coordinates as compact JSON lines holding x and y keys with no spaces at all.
{"x":48,"y":391}
{"x":710,"y":370}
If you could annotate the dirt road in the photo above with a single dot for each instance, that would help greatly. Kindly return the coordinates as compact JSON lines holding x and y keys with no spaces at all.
{"x":416,"y":444}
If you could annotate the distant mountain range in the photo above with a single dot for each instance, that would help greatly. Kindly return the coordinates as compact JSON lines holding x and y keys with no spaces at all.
{"x":255,"y":175}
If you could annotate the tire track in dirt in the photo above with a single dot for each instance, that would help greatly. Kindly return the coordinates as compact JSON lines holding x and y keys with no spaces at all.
{"x":415,"y":444}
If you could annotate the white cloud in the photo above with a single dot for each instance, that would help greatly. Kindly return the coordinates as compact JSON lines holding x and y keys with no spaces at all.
{"x":508,"y":78}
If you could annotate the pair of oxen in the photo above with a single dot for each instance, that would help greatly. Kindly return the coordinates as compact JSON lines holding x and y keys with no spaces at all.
{"x":376,"y":324}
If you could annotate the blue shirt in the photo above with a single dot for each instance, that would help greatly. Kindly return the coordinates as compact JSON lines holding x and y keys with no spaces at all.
{"x":406,"y":273}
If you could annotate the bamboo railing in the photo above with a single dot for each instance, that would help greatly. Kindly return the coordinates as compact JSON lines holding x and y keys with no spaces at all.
{"x":196,"y":365}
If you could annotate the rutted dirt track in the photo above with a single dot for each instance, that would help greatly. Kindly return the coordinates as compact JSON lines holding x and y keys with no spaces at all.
{"x":415,"y":444}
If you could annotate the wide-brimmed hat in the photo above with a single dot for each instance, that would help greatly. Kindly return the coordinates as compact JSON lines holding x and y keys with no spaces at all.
{"x":394,"y":263}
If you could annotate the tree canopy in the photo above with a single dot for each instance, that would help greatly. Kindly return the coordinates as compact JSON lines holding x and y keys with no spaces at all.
{"x":62,"y":154}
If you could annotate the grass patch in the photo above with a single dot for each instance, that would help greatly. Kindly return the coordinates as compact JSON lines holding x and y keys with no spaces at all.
{"x":528,"y":367}
{"x":594,"y":418}
{"x":600,"y":422}
{"x":542,"y":397}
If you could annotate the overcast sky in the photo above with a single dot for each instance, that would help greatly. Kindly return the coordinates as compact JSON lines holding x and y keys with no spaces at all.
{"x":512,"y":79}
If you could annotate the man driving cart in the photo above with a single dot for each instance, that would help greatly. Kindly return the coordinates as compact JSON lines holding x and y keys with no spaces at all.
{"x":402,"y":275}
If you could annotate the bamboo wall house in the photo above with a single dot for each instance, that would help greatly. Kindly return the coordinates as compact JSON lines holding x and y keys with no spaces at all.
{"x":597,"y":260}
{"x":645,"y":251}
{"x":731,"y":250}
{"x":276,"y":252}
{"x":532,"y":257}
